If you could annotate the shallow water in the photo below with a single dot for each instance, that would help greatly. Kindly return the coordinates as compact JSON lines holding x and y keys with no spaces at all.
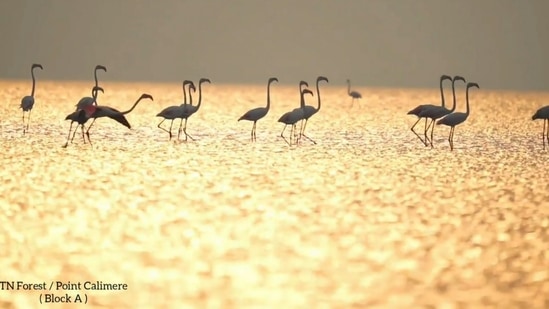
{"x":368,"y":217}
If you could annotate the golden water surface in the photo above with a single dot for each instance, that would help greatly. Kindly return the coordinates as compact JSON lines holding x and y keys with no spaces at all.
{"x":367,"y":218}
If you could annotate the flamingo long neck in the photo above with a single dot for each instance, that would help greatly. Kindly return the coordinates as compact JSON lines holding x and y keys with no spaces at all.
{"x":185,"y":94}
{"x":94,"y":96}
{"x":191,"y":96}
{"x":199,"y":96}
{"x":454,"y":96}
{"x":95,"y":77}
{"x":318,"y":95}
{"x":467,"y":101}
{"x":442,"y":92}
{"x":302,"y":102}
{"x":33,"y":82}
{"x":268,"y":96}
{"x":134,"y":105}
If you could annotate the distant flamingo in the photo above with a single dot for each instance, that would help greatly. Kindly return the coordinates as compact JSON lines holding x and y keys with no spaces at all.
{"x":454,"y":119}
{"x":416,"y":111}
{"x":543,"y":113}
{"x":189,"y":110}
{"x":89,"y":100}
{"x":292,"y":117}
{"x":27,"y":102}
{"x":175,"y":111}
{"x":81,"y":116}
{"x":106,"y":111}
{"x":309,"y":110}
{"x":259,"y":112}
{"x":436,"y":112}
{"x":353,"y":94}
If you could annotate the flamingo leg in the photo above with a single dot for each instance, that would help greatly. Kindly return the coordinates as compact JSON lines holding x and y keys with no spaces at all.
{"x":28,"y":120}
{"x":180,"y":129}
{"x":427,"y":126}
{"x":292,"y":134}
{"x":412,"y":128}
{"x":185,"y":131}
{"x":88,"y":130}
{"x":282,"y":133}
{"x":543,"y":134}
{"x":68,"y":137}
{"x":171,"y":124}
{"x":74,"y":132}
{"x":452,"y":139}
{"x":432,"y":132}
{"x":303,"y":133}
{"x":162,"y":128}
{"x":253,"y":131}
{"x":83,"y":136}
{"x":546,"y":131}
{"x":24,"y":130}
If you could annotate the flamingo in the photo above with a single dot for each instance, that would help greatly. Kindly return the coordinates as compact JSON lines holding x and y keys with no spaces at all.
{"x":27,"y":102}
{"x":454,"y":119}
{"x":292,"y":117}
{"x":416,"y":111}
{"x":309,"y":110}
{"x":436,"y":112}
{"x":284,"y":117}
{"x":543,"y":113}
{"x":353,"y":94}
{"x":89,"y":100}
{"x":106,"y":111}
{"x":81,"y":116}
{"x":175,"y":111}
{"x":259,"y":112}
{"x":189,"y":110}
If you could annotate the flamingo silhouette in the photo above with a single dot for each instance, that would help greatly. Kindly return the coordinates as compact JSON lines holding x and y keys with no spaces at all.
{"x":353,"y":94}
{"x":309,"y":110}
{"x":284,"y":117}
{"x":436,"y":112}
{"x":189,"y":110}
{"x":175,"y":111}
{"x":106,"y":111}
{"x":89,"y":100}
{"x":259,"y":112}
{"x":292,"y":117}
{"x":81,"y":116}
{"x":27,"y":102}
{"x":543,"y":113}
{"x":416,"y":111}
{"x":454,"y":119}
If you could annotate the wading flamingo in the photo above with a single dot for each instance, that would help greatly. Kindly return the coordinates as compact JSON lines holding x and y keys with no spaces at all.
{"x":81,"y":116}
{"x":309,"y":110}
{"x":106,"y":111}
{"x":436,"y":112}
{"x":259,"y":112}
{"x":454,"y":119}
{"x":419,"y":108}
{"x":189,"y":110}
{"x":543,"y":113}
{"x":292,"y":117}
{"x":175,"y":111}
{"x":27,"y":102}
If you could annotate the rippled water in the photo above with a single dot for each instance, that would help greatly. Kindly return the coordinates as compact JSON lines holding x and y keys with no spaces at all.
{"x":368,"y":217}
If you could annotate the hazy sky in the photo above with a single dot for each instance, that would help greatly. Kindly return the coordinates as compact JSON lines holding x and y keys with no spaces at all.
{"x":501,"y":44}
